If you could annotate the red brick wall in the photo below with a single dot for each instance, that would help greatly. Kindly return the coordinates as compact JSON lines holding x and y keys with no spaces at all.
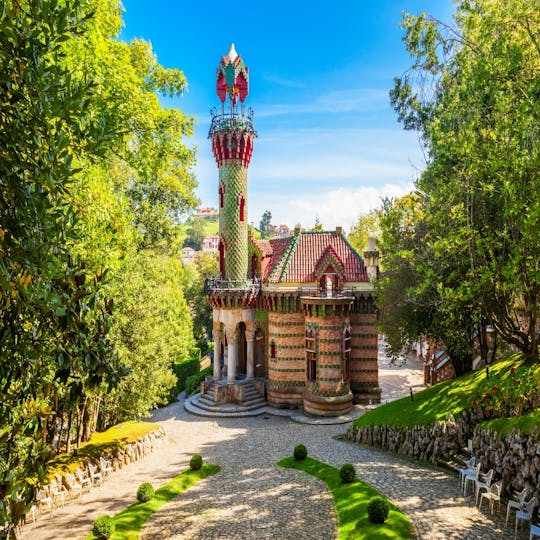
{"x":364,"y":367}
{"x":288,"y":369}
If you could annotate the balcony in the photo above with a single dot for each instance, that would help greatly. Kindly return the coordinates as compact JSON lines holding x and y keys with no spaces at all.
{"x":232,"y":121}
{"x":220,"y":285}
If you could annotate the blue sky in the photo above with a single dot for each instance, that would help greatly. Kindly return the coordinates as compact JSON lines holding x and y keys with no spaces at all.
{"x":329,"y":144}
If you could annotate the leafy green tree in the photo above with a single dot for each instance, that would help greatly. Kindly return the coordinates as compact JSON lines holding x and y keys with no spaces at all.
{"x":54,"y":320}
{"x":265,"y":226}
{"x":195,"y":233}
{"x":366,"y":227}
{"x":318,"y":225}
{"x":471,"y":93}
{"x":153,"y":329}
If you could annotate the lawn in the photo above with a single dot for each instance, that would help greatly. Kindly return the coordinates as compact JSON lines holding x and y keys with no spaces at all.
{"x":106,"y":441}
{"x":129,"y":522}
{"x":436,"y":402}
{"x":504,"y":426}
{"x":351,"y":502}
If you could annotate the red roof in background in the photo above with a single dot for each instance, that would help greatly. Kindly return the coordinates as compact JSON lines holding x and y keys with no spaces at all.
{"x":294,"y":259}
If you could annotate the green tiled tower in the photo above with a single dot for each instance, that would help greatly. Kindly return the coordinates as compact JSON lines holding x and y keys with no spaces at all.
{"x":232,"y":135}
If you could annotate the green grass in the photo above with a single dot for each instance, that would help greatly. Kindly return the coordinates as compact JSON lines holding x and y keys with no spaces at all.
{"x":351,"y":501}
{"x":107,"y":441}
{"x":128,"y":523}
{"x":504,"y":426}
{"x":211,"y":227}
{"x":436,"y":402}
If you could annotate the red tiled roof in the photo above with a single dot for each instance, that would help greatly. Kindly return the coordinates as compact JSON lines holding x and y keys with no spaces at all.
{"x":295,"y":259}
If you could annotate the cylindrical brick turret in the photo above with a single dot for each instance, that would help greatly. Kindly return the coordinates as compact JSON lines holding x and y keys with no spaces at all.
{"x":232,"y":135}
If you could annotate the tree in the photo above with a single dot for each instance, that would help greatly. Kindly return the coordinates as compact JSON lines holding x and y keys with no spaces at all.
{"x":471,"y":93}
{"x":366,"y":227}
{"x":153,"y":329}
{"x":54,"y":320}
{"x":318,"y":225}
{"x":195,"y":233}
{"x":267,"y":229}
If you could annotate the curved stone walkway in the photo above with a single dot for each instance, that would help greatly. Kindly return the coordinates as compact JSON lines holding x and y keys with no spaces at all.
{"x":252,"y":498}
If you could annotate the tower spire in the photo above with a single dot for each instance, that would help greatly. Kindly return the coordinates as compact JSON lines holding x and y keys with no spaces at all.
{"x":232,"y":134}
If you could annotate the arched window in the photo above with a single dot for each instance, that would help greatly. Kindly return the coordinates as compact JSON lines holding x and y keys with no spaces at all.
{"x":242,"y":205}
{"x":311,"y":353}
{"x":346,"y":353}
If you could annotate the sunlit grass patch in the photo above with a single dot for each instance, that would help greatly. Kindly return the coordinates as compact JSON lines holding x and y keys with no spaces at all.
{"x":525,"y":424}
{"x":128,"y":523}
{"x":107,"y":441}
{"x":436,"y":402}
{"x":351,"y":502}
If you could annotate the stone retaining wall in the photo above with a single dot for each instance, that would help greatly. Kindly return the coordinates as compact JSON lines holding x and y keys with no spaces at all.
{"x":515,"y":458}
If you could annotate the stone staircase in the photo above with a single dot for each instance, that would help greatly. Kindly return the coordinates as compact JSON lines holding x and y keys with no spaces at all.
{"x":245,"y":398}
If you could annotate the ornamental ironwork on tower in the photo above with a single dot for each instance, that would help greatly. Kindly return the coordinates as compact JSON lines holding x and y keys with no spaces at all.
{"x":232,"y":134}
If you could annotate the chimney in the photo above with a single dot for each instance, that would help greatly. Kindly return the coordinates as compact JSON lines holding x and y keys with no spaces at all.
{"x":339,"y":229}
{"x":297,"y":229}
{"x":371,"y":257}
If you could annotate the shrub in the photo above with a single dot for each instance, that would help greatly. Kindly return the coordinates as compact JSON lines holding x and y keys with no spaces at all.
{"x":347,"y":473}
{"x":300,"y":452}
{"x":195,"y":463}
{"x":103,"y":527}
{"x":193,"y":382}
{"x":183,"y":370}
{"x":377,"y":510}
{"x":145,"y":492}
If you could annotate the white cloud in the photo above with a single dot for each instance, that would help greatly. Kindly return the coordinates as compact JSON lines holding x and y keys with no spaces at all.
{"x":335,"y":207}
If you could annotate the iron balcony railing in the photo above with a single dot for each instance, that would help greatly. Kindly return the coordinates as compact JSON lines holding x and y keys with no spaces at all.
{"x":212,"y":285}
{"x":316,"y":292}
{"x":232,"y":121}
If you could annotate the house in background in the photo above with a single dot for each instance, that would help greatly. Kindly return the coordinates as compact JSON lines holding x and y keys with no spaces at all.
{"x":210,"y":244}
{"x":188,"y":255}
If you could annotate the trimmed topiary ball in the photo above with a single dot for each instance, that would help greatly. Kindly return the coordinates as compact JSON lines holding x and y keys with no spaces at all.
{"x":377,"y":510}
{"x":300,"y":452}
{"x":195,"y":463}
{"x":103,"y":527}
{"x":347,"y":474}
{"x":145,"y":492}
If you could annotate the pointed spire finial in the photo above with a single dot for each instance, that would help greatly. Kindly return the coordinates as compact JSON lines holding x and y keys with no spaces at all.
{"x":232,"y":55}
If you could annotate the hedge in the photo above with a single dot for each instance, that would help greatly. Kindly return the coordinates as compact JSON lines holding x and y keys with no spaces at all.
{"x":193,"y":382}
{"x":183,"y":370}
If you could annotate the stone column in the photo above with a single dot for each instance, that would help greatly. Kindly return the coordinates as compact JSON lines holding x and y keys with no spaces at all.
{"x":232,"y":356}
{"x":250,"y":350}
{"x":217,"y":335}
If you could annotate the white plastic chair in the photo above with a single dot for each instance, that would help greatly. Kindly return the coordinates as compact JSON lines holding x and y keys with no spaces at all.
{"x":469,"y":464}
{"x":85,"y":481}
{"x":95,"y":476}
{"x":482,"y":482}
{"x":73,"y":487}
{"x":43,"y":498}
{"x":471,"y":477}
{"x":492,"y":494}
{"x":516,"y":504}
{"x":104,"y":467}
{"x":535,"y":531}
{"x":526,"y":513}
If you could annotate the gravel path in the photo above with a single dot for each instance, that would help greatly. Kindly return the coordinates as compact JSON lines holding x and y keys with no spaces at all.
{"x":252,"y":498}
